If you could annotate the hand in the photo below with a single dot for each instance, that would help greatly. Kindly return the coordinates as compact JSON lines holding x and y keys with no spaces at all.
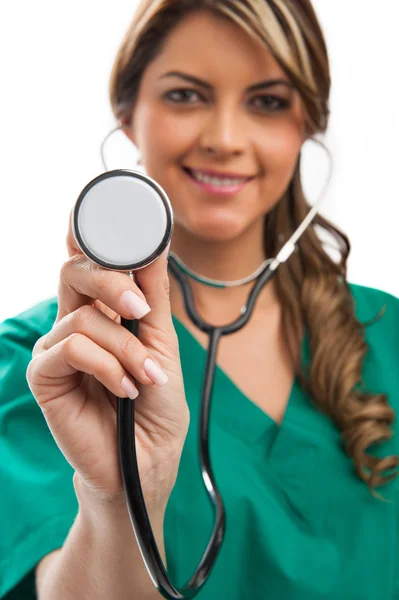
{"x":77,"y":369}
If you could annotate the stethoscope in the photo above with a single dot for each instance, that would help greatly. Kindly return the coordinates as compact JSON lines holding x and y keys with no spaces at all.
{"x":123,"y":221}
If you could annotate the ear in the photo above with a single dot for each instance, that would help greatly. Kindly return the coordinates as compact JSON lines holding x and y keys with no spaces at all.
{"x":126,"y":121}
{"x":127,"y":130}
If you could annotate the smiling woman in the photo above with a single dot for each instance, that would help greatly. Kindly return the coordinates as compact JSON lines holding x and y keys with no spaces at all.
{"x":219,"y":97}
{"x":247,"y":114}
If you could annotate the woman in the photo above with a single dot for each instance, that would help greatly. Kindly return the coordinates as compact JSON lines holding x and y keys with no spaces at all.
{"x":219,"y":97}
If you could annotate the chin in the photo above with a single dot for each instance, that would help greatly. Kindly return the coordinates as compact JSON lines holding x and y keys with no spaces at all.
{"x":214,"y":231}
{"x":213,"y":223}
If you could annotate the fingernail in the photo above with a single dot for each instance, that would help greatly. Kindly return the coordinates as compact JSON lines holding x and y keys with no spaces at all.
{"x":129,"y":388}
{"x":155,"y":372}
{"x":135,"y":305}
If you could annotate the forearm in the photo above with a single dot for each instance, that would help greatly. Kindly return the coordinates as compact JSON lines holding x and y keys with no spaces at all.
{"x":100,"y":559}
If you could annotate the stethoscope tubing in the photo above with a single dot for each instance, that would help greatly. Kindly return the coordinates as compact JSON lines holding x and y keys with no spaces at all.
{"x":128,"y":459}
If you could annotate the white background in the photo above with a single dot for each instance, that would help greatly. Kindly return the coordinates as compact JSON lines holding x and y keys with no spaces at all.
{"x":54,"y":112}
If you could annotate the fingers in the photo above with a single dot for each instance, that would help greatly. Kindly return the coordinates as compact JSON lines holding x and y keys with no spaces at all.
{"x":81,"y":282}
{"x":107,"y":311}
{"x":129,"y":351}
{"x":77,"y":354}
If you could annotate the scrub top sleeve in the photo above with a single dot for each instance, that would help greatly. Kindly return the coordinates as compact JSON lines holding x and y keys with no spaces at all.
{"x":38,"y":504}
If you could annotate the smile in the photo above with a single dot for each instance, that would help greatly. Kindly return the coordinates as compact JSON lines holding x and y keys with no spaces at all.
{"x":217,"y":184}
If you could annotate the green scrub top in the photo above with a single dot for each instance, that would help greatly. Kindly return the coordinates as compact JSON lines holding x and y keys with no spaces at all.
{"x":300,"y":525}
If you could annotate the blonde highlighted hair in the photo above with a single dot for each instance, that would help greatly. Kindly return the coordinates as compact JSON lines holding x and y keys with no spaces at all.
{"x":312,"y":288}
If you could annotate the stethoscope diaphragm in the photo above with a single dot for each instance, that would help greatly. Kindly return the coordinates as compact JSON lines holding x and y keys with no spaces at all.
{"x":122,"y":220}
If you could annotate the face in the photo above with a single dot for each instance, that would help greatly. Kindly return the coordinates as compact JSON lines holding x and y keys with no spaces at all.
{"x":208,"y":119}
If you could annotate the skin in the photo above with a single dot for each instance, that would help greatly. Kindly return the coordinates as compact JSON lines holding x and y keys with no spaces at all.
{"x":226,"y":129}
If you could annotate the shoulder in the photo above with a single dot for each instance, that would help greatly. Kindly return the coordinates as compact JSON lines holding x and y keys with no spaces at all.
{"x":378,"y":311}
{"x":370,"y":302}
{"x":18,"y":335}
{"x":30,"y":324}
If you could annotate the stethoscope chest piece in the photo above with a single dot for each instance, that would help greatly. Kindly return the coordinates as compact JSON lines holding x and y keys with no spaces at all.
{"x":122,"y":220}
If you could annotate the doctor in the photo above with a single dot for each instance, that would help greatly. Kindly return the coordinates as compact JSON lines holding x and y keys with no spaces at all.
{"x":219,"y":117}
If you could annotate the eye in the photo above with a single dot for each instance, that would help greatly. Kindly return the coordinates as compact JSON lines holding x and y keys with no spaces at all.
{"x":273,"y":103}
{"x":180,"y":96}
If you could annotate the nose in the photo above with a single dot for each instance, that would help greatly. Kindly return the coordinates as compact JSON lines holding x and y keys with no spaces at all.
{"x":223,"y":133}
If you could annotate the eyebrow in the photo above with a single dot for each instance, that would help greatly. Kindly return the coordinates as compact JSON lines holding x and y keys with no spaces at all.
{"x":257,"y":86}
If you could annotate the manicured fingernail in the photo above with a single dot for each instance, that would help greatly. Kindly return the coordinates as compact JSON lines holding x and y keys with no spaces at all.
{"x":155,"y":372}
{"x":135,"y":305}
{"x":129,"y":388}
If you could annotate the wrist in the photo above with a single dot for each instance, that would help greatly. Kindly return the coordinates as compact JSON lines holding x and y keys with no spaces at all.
{"x":97,"y":504}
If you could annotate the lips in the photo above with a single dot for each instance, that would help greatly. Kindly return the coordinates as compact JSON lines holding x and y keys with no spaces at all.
{"x":218,"y":174}
{"x":217,"y":189}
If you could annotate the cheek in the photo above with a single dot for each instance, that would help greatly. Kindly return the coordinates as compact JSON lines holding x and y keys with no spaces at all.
{"x":282,"y":142}
{"x":161,"y":135}
{"x":280,"y":154}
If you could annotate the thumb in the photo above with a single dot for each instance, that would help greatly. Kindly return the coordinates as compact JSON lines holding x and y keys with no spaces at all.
{"x":71,"y":244}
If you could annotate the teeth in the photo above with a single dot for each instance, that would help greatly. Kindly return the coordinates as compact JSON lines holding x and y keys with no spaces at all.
{"x":215,"y":180}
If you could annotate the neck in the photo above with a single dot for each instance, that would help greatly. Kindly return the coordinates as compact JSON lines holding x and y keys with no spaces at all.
{"x":225,"y":261}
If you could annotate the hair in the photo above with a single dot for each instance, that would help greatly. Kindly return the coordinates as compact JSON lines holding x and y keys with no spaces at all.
{"x":311,"y":286}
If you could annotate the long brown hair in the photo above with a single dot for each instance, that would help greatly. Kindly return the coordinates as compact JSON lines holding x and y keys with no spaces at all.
{"x":311,"y":286}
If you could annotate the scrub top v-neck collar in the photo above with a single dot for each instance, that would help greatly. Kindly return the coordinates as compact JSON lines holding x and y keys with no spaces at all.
{"x":232,"y":409}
